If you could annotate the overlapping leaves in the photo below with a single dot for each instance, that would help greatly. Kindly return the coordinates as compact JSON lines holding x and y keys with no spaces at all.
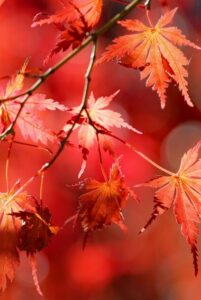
{"x":100,"y":118}
{"x":31,"y":235}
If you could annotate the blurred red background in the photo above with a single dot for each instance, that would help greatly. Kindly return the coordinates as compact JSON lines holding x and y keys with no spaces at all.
{"x":114,"y":265}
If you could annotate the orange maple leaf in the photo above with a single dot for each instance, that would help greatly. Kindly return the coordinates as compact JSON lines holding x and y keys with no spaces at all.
{"x":183,"y":192}
{"x":102,"y":118}
{"x":152,"y":50}
{"x":9,"y":228}
{"x":102,"y":202}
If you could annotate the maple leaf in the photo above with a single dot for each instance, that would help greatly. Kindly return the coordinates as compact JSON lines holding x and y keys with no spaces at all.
{"x":29,"y":123}
{"x":9,"y":228}
{"x":152,"y":50}
{"x":183,"y":192}
{"x":101,"y":118}
{"x":74,"y":22}
{"x":36,"y":231}
{"x":102,"y":202}
{"x":34,"y":234}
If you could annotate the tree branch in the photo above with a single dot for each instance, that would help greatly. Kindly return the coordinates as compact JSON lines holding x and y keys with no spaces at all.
{"x":65,"y":139}
{"x":106,"y":27}
{"x":93,"y":36}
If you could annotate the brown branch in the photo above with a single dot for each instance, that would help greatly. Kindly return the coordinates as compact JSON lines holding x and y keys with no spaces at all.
{"x":64,"y":139}
{"x":93,"y":36}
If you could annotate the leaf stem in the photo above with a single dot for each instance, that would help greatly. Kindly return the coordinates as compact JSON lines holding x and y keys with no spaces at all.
{"x":10,"y":145}
{"x":149,"y":18}
{"x":101,"y":158}
{"x":141,"y":154}
{"x":32,"y":145}
{"x":41,"y":187}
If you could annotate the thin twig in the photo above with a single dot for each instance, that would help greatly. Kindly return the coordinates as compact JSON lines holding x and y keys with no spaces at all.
{"x":32,"y":145}
{"x":92,"y":38}
{"x":65,"y":139}
{"x":94,"y":35}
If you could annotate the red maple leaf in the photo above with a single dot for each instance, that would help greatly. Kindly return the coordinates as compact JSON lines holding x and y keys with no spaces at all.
{"x":100,"y":118}
{"x":36,"y":231}
{"x":34,"y":234}
{"x":152,"y":50}
{"x":29,"y":122}
{"x":74,"y":22}
{"x":183,"y":192}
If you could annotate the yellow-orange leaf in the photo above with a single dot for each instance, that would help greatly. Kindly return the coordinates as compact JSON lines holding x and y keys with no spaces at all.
{"x":153,"y":50}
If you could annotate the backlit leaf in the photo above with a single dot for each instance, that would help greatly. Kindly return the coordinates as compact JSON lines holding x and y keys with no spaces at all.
{"x":183,"y":192}
{"x":153,"y":51}
{"x":101,"y":203}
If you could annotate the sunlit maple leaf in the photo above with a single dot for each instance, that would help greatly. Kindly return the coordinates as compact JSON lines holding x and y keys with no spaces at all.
{"x":183,"y":192}
{"x":74,"y":21}
{"x":100,"y":117}
{"x":9,"y":228}
{"x":29,"y":122}
{"x":102,"y":202}
{"x":153,"y":51}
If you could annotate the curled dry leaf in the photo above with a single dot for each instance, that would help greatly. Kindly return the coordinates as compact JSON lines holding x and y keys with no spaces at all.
{"x":74,"y":21}
{"x":152,"y":50}
{"x":29,"y":123}
{"x":183,"y":192}
{"x":101,"y":118}
{"x":102,"y":202}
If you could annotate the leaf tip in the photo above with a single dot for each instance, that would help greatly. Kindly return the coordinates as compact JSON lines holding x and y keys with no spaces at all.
{"x":195,"y":259}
